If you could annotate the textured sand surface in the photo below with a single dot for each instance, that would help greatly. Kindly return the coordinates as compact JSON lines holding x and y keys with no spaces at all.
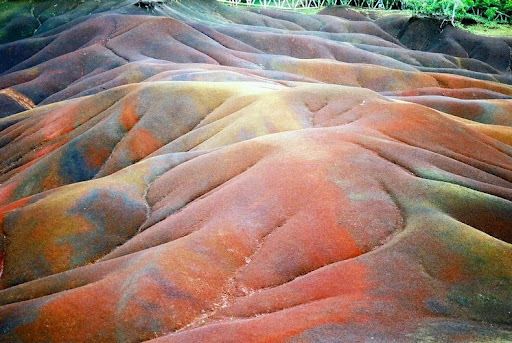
{"x":189,"y":172}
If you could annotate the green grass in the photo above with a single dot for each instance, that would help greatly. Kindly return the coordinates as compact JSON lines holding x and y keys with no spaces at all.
{"x":493,"y":30}
{"x":490,"y":29}
{"x":497,"y":30}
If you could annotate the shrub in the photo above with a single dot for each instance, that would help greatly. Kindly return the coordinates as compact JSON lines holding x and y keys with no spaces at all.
{"x":477,"y":10}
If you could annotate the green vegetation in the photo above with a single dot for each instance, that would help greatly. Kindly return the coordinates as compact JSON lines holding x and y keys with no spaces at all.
{"x":476,"y":11}
{"x":479,"y":11}
{"x":483,"y":17}
{"x":503,"y":30}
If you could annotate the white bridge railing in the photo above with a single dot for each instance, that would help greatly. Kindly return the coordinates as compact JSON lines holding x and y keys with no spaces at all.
{"x":280,"y":3}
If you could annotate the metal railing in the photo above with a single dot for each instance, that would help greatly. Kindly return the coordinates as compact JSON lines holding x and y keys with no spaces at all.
{"x":286,"y":4}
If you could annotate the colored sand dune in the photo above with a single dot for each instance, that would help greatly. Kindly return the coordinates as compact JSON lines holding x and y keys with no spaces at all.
{"x":183,"y":171}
